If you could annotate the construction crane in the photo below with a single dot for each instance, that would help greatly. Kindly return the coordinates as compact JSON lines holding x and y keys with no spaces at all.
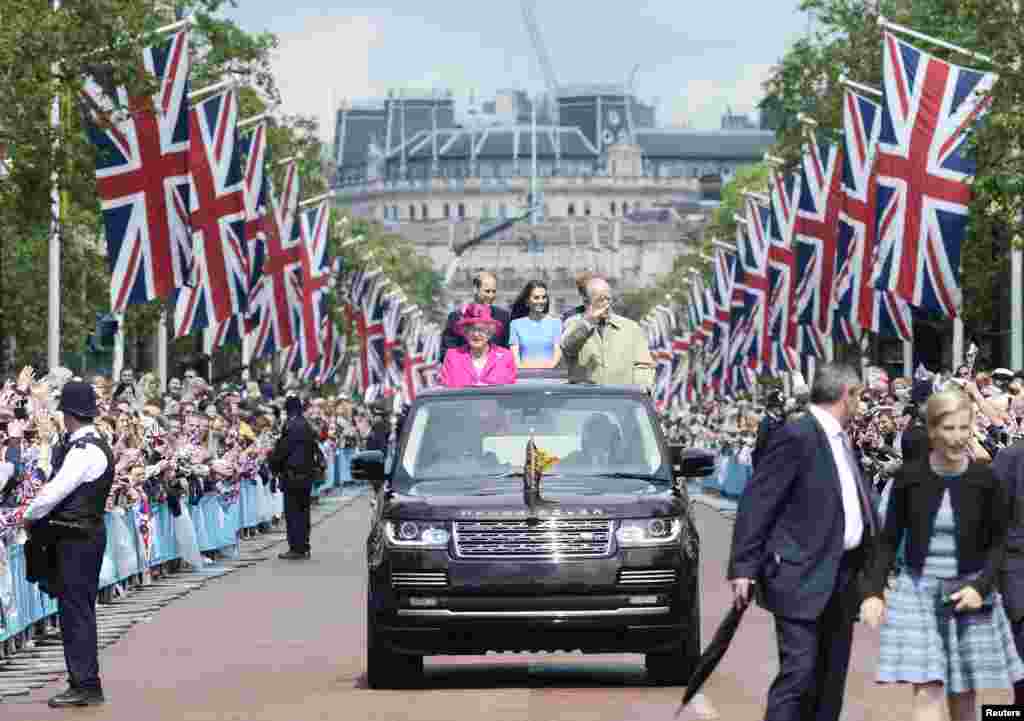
{"x":530,"y":19}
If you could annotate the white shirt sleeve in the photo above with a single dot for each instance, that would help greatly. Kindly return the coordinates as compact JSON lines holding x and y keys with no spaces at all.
{"x":82,"y":465}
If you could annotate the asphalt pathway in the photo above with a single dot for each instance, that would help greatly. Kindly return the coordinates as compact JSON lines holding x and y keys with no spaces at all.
{"x":285,"y":641}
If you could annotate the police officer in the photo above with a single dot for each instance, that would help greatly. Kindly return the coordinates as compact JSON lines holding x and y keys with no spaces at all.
{"x":380,"y":431}
{"x":292,"y":461}
{"x":774,"y":417}
{"x":68,"y":517}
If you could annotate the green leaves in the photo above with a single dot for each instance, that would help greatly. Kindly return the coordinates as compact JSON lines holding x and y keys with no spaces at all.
{"x":848,"y":41}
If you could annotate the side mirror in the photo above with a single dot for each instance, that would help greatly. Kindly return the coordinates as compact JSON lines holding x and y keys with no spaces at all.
{"x":692,"y":462}
{"x":368,"y":466}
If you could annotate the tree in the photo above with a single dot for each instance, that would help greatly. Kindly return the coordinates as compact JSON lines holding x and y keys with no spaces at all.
{"x":848,"y":41}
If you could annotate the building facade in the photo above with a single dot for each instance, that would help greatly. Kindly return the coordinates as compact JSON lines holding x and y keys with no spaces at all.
{"x":615,"y":195}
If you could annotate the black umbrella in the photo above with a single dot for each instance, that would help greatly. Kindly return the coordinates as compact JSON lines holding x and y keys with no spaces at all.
{"x":713,"y":653}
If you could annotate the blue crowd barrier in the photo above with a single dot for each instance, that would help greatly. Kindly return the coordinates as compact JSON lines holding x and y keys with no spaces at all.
{"x":217,"y":525}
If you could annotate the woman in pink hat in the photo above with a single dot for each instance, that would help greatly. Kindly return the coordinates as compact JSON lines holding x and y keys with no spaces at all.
{"x":478,"y":363}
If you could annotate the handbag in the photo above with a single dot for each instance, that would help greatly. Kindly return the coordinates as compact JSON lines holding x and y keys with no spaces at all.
{"x":949,"y":586}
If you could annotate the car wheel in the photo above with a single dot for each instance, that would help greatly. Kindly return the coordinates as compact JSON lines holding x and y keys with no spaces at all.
{"x":386,"y":668}
{"x":674,"y":668}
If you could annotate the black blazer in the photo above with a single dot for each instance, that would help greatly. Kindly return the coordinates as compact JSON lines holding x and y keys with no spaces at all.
{"x":980,"y":511}
{"x":450,"y":339}
{"x":1008,"y":468}
{"x":292,"y":457}
{"x":914,"y":443}
{"x":789,"y":526}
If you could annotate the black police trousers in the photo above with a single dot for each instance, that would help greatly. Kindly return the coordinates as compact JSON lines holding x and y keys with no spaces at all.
{"x":297,"y":509}
{"x":79,"y":561}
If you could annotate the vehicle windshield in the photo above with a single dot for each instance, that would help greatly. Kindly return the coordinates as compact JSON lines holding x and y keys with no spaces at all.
{"x":458,"y":445}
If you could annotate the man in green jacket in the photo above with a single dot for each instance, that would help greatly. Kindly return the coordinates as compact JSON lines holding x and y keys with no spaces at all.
{"x":600,"y":346}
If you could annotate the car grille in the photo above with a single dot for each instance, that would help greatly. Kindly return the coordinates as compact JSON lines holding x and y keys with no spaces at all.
{"x":552,"y":537}
{"x":647,"y":577}
{"x":419,"y":579}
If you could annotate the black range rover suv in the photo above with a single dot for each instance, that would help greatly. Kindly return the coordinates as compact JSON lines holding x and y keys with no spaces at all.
{"x":463,"y":559}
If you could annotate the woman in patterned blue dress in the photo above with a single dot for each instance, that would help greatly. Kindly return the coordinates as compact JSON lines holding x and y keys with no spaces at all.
{"x":944,"y":630}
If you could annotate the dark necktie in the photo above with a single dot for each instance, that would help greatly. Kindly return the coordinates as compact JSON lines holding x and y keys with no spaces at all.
{"x":867,"y":509}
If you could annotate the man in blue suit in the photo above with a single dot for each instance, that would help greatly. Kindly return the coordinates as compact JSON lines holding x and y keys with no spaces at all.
{"x":804,"y":532}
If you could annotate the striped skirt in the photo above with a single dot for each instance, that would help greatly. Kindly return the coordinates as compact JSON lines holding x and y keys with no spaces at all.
{"x":923,"y":641}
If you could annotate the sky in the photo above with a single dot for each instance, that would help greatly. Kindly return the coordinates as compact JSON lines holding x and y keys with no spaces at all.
{"x":695,"y":58}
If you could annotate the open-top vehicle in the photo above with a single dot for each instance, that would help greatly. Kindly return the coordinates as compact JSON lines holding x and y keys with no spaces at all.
{"x":466,"y":555}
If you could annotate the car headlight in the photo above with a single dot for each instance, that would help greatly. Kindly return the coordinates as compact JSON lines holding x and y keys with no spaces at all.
{"x":648,"y":532}
{"x":417,"y":533}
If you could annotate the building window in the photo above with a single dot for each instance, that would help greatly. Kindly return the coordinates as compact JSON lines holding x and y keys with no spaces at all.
{"x":412,"y":212}
{"x":625,"y":207}
{"x":503,"y":211}
{"x":586,"y":207}
{"x":447,"y":211}
{"x":545,"y":211}
{"x":572,"y":210}
{"x":424,"y":212}
{"x":485,"y":211}
{"x":613,"y":173}
{"x":462,"y":211}
{"x":613,"y":208}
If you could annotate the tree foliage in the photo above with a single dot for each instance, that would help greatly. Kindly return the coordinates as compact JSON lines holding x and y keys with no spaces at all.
{"x":848,"y":42}
{"x":46,"y":54}
{"x":671,"y":287}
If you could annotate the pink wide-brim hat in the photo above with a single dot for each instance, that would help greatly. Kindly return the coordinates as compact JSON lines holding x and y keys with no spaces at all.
{"x":477,"y":314}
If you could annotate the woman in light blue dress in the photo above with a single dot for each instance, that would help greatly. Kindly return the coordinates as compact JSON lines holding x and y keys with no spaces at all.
{"x":534,"y":335}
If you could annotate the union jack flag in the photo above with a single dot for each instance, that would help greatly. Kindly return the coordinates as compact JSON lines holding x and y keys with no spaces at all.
{"x":228,"y":332}
{"x":660,"y":347}
{"x":316,"y":278}
{"x":785,"y":195}
{"x":333,"y":342}
{"x":257,"y":219}
{"x":722,"y":293}
{"x":142,"y":177}
{"x":432,"y":358}
{"x":219,"y":285}
{"x":366,"y":315}
{"x":393,"y":311}
{"x":859,"y":303}
{"x":816,"y":234}
{"x":258,"y":208}
{"x":754,"y":253}
{"x":680,"y":370}
{"x":277,"y":294}
{"x":924,"y":173}
{"x":741,"y":318}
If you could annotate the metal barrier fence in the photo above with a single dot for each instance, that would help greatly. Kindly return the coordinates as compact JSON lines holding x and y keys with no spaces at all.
{"x":218,"y":526}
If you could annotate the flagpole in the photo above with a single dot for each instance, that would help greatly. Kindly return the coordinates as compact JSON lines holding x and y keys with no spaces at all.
{"x":118,"y":358}
{"x":958,"y":342}
{"x":860,"y":86}
{"x":889,"y":25}
{"x":53,"y":314}
{"x":161,"y":349}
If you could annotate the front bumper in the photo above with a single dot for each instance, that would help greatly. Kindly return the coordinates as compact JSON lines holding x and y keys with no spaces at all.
{"x":533,"y":606}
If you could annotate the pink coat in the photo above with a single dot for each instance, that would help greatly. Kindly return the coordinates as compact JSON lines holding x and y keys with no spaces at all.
{"x":458,"y":370}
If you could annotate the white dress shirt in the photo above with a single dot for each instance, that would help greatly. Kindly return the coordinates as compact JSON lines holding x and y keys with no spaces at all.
{"x":81,"y":465}
{"x":854,"y":527}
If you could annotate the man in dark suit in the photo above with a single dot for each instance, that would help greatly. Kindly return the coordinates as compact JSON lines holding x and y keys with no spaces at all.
{"x":292,"y":461}
{"x":485,"y":288}
{"x":1008,"y":468}
{"x":804,"y":531}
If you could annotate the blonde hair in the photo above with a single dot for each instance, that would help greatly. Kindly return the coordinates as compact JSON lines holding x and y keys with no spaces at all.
{"x":945,"y":403}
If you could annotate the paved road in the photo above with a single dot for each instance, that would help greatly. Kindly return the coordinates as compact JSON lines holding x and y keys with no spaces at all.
{"x":279,"y":641}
